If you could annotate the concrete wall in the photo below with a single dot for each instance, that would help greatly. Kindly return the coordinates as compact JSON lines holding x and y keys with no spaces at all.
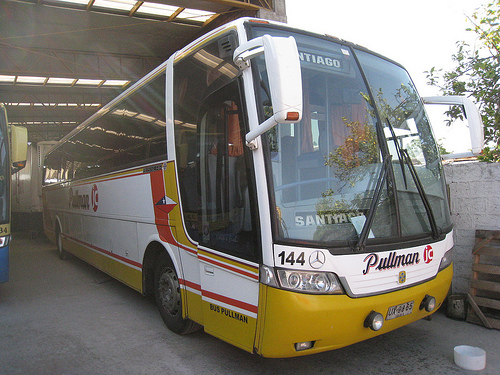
{"x":279,"y":13}
{"x":475,"y":204}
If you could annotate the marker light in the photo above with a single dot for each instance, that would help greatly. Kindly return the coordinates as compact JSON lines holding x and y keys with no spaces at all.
{"x":446,"y":260}
{"x":4,"y":241}
{"x":428,"y":303}
{"x":374,"y":321}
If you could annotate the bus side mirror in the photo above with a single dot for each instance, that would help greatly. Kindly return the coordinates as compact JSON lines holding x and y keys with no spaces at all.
{"x":285,"y":81}
{"x":472,"y":115}
{"x":19,"y":147}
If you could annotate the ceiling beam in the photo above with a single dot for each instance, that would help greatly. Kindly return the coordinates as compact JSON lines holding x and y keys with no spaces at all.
{"x":236,"y":4}
{"x":175,"y":14}
{"x":73,"y":64}
{"x":135,"y":7}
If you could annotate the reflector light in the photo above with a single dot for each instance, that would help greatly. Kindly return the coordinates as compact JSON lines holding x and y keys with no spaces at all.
{"x":292,"y":116}
{"x":19,"y":164}
{"x":260,"y":21}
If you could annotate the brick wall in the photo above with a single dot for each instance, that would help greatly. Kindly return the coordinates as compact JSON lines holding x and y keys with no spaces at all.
{"x":475,"y":204}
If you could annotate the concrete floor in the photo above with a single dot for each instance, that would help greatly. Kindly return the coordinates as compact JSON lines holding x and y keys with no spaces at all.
{"x":66,"y":317}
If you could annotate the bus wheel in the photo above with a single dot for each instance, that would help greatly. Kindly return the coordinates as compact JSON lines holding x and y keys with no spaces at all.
{"x":168,"y":297}
{"x":62,"y":253}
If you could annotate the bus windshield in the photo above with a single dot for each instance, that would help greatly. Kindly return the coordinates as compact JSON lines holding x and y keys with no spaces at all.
{"x":362,"y":160}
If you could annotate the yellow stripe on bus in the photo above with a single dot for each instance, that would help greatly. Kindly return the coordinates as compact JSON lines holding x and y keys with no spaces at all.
{"x":251,"y":269}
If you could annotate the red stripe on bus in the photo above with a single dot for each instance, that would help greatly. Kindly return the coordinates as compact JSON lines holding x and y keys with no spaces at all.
{"x":106,"y":252}
{"x":230,"y":301}
{"x":190,"y":284}
{"x":161,"y":217}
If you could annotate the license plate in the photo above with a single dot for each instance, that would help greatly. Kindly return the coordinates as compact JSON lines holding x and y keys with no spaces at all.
{"x":400,"y":310}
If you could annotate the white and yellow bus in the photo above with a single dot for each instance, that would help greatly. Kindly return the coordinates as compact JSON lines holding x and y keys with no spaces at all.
{"x":281,"y":189}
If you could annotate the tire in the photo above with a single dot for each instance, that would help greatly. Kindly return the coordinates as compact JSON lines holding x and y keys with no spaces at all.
{"x":63,"y":255}
{"x":168,"y":297}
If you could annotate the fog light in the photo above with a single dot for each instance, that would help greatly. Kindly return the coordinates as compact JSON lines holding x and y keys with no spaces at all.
{"x":428,"y":303}
{"x":374,"y":321}
{"x":303,"y":345}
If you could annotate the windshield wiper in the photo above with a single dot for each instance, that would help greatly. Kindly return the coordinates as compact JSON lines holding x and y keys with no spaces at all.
{"x":404,"y":158}
{"x":421,"y":192}
{"x":363,"y":236}
{"x":398,"y":152}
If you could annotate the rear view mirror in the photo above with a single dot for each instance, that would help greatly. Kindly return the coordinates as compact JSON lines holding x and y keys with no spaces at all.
{"x":19,"y":147}
{"x":471,"y":112}
{"x":283,"y":69}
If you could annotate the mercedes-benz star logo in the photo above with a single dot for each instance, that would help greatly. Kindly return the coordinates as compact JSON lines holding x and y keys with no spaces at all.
{"x":317,"y":259}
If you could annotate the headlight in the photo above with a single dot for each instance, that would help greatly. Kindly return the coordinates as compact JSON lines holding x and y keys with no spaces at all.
{"x":446,"y":260}
{"x":4,"y":241}
{"x":309,"y":282}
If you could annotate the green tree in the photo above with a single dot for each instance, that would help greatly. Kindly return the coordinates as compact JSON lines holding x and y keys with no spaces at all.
{"x":476,"y":73}
{"x":358,"y":150}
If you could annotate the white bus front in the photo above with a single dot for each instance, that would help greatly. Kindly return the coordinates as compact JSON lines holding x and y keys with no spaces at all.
{"x":356,"y":198}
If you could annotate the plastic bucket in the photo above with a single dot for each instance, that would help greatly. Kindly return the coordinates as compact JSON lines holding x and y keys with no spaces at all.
{"x":469,"y":357}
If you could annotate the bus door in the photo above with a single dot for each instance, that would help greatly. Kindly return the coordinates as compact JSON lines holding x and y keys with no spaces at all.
{"x":228,"y":244}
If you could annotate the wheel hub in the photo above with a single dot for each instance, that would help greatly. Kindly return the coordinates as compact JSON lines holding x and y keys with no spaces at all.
{"x":169,"y":291}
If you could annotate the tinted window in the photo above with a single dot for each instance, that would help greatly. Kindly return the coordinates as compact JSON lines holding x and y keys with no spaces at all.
{"x":131,"y":133}
{"x":213,"y":163}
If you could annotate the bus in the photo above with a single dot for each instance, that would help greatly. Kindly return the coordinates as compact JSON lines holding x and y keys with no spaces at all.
{"x":13,"y":148}
{"x":280,"y":190}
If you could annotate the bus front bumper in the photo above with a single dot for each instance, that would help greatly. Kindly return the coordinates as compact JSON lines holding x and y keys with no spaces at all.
{"x":329,"y":322}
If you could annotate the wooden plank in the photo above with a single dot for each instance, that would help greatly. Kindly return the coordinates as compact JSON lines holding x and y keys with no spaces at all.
{"x":491,"y":323}
{"x":486,"y":285}
{"x":484,"y":233}
{"x":487,"y":245}
{"x":486,"y":268}
{"x":478,"y":312}
{"x":487,"y":302}
{"x":495,"y":242}
{"x":473,"y":318}
{"x":489,"y":250}
{"x":495,"y":323}
{"x":485,"y":241}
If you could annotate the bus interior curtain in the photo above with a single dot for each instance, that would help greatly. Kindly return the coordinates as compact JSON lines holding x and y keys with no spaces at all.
{"x":305,"y":125}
